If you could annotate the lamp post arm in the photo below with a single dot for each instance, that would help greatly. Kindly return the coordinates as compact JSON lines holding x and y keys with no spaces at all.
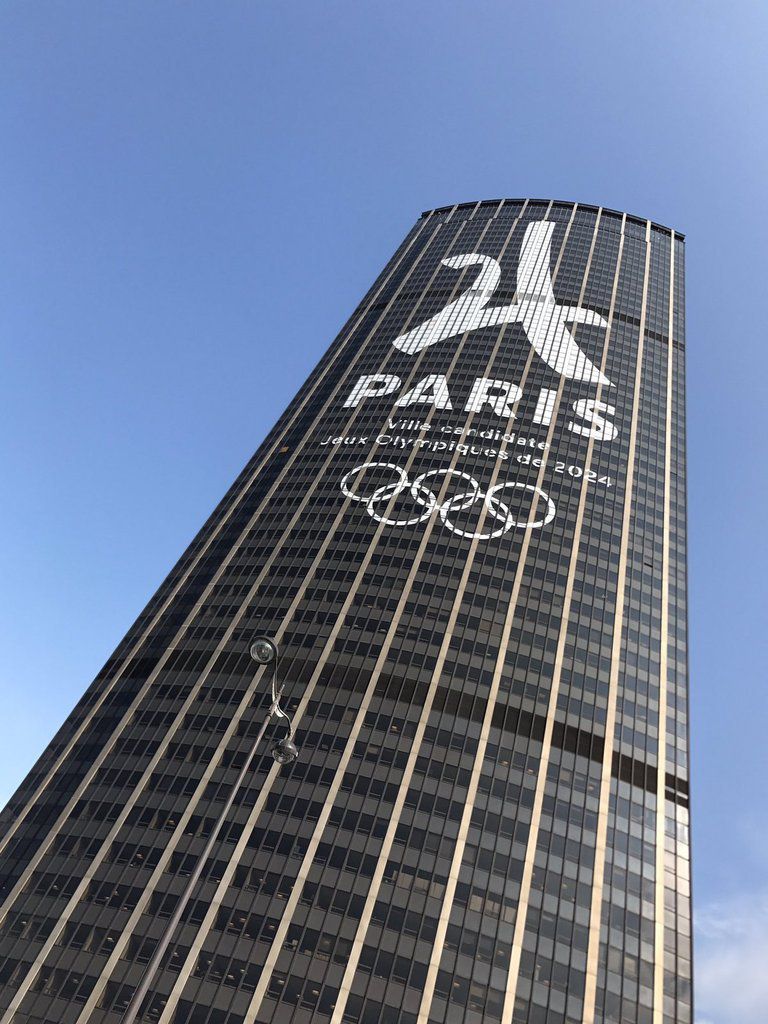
{"x":276,"y":695}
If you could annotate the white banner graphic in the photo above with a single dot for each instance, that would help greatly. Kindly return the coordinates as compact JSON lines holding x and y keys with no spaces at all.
{"x":543,"y":320}
{"x":428,"y":502}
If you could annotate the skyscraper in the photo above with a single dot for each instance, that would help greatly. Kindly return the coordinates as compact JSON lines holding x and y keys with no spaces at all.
{"x":466,"y":534}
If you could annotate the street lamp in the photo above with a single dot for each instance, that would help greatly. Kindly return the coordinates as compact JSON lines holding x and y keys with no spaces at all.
{"x":264,"y":651}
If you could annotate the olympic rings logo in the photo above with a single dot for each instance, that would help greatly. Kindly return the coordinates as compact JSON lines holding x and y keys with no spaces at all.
{"x":427,"y":499}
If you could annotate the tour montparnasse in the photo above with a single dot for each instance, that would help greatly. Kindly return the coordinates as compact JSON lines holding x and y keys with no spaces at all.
{"x":403,"y":735}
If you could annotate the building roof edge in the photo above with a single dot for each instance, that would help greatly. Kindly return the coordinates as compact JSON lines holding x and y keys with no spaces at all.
{"x":565,"y":202}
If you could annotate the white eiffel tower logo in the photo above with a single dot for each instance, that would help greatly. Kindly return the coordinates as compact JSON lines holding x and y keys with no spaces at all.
{"x":543,"y":320}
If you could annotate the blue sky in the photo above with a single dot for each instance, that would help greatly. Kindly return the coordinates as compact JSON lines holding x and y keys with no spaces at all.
{"x":179,"y":180}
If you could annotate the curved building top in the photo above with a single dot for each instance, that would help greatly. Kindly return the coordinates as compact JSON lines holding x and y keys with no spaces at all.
{"x":558,"y":203}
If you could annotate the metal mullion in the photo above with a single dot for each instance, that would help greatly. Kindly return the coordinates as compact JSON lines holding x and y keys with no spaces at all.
{"x":593,"y":951}
{"x":659,"y":910}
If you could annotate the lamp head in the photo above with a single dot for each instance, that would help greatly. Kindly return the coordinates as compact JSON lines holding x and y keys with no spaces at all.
{"x":285,"y":751}
{"x":263,"y":650}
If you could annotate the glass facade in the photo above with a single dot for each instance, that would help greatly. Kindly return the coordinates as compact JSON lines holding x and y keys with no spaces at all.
{"x":467,"y":535}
